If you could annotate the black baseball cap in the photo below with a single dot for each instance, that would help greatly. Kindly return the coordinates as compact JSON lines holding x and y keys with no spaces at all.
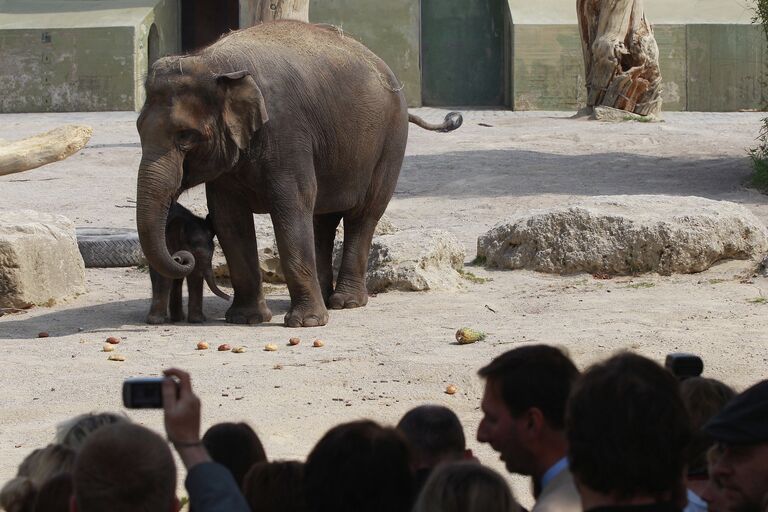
{"x":743,"y":420}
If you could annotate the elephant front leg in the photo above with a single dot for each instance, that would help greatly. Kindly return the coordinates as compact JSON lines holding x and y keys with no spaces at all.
{"x":295,"y":241}
{"x":233,"y":223}
{"x":161,"y":290}
{"x":195,"y":299}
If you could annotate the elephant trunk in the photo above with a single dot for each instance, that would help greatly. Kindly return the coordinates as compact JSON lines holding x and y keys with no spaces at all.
{"x":211,"y":281}
{"x":157,"y":186}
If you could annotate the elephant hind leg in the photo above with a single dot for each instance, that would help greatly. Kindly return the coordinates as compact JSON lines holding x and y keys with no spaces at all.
{"x":350,"y":289}
{"x":325,"y":234}
{"x":359,"y":225}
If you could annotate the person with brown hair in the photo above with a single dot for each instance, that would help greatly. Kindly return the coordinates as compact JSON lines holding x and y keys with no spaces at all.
{"x":359,"y":467}
{"x":703,"y":398}
{"x":124,"y":467}
{"x":19,"y":493}
{"x":740,"y":431}
{"x":54,"y":495}
{"x":235,"y":446}
{"x":275,"y":487}
{"x":628,"y":431}
{"x":523,"y":406}
{"x":435,"y":436}
{"x":465,"y":487}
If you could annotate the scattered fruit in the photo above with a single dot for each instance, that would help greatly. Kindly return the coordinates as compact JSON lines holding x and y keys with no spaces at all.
{"x":271,"y":347}
{"x":108,"y":348}
{"x":202,"y":345}
{"x":294,"y":341}
{"x":465,"y":336}
{"x":113,"y":340}
{"x":116,"y":357}
{"x":224,"y":347}
{"x":42,"y":334}
{"x":451,"y":389}
{"x":318,"y":343}
{"x":238,"y":350}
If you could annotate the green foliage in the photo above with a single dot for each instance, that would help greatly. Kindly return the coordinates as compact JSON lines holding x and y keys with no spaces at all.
{"x":759,"y":155}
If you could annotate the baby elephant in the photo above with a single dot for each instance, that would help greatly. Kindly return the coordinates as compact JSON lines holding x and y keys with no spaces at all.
{"x":184,"y":231}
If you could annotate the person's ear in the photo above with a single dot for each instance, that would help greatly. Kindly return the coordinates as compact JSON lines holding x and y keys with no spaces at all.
{"x":534,"y":420}
{"x":72,"y":504}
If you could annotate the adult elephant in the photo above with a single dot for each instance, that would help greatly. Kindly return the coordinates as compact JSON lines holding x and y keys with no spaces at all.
{"x":286,"y":118}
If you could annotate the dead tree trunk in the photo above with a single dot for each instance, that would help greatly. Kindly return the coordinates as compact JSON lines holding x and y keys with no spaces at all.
{"x":257,"y":11}
{"x":620,"y":56}
{"x":42,"y":149}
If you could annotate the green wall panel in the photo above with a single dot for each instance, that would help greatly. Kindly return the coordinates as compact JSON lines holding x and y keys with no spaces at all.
{"x":726,"y":66}
{"x":547,"y":68}
{"x":462,"y":51}
{"x":389,"y":28}
{"x":62,"y":70}
{"x":674,"y":66}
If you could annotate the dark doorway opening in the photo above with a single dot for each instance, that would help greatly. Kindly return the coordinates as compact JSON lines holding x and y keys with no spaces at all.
{"x":204,"y":21}
{"x":462,"y":52}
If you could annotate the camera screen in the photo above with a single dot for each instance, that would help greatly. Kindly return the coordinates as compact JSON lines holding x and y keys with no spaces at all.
{"x":143,"y":393}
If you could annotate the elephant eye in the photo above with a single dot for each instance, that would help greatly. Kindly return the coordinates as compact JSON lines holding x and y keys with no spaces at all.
{"x":186,"y":139}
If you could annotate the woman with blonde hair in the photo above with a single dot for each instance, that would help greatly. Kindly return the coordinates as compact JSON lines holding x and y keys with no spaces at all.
{"x":465,"y":487}
{"x":18,"y":494}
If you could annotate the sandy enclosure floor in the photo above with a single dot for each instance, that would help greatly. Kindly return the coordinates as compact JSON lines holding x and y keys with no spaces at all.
{"x":397,"y":352}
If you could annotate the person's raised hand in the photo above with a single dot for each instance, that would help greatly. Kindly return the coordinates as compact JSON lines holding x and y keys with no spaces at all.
{"x":182,"y":417}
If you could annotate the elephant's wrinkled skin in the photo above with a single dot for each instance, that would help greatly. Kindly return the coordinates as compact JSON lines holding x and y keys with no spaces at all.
{"x":188,"y":232}
{"x":294,"y":120}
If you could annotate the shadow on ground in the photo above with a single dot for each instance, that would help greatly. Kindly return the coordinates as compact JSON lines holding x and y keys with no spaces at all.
{"x":126,"y":315}
{"x":497,"y":173}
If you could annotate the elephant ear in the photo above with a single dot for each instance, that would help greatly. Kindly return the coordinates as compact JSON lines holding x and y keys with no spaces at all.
{"x":244,"y":108}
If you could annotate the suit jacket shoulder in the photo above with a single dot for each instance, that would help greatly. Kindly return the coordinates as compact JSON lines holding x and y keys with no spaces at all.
{"x":560,"y":495}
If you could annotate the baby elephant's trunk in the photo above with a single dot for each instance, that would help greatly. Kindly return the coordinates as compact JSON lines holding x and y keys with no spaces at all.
{"x":212,"y":284}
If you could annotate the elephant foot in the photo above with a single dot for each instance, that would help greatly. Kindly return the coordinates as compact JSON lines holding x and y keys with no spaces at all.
{"x":156,"y":319}
{"x":306,"y":316}
{"x":196,"y":319}
{"x":341,"y":300}
{"x":248,"y":315}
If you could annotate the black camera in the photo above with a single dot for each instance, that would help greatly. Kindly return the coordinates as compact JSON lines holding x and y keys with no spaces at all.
{"x":684,"y":365}
{"x":144,"y":392}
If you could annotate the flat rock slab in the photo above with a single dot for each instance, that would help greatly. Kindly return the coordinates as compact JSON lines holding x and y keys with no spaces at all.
{"x":40,"y":263}
{"x":625,"y":235}
{"x":415,"y":260}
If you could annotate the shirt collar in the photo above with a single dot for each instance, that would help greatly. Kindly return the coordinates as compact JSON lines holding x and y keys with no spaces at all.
{"x":553,"y":471}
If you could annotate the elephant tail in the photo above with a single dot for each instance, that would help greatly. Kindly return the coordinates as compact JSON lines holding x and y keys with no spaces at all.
{"x":452,"y":121}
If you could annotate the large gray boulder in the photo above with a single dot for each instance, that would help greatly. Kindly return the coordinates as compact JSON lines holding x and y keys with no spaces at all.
{"x":625,"y":235}
{"x":415,"y":260}
{"x":40,"y":263}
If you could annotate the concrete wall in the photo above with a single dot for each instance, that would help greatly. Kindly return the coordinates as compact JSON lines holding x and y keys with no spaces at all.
{"x":712,"y":58}
{"x":389,"y":28}
{"x":70,"y":55}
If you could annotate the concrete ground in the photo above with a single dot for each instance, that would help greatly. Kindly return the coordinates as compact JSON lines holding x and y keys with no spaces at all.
{"x":397,"y":352}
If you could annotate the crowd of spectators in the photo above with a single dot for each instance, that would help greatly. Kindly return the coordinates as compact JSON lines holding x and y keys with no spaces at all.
{"x":624,"y":435}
